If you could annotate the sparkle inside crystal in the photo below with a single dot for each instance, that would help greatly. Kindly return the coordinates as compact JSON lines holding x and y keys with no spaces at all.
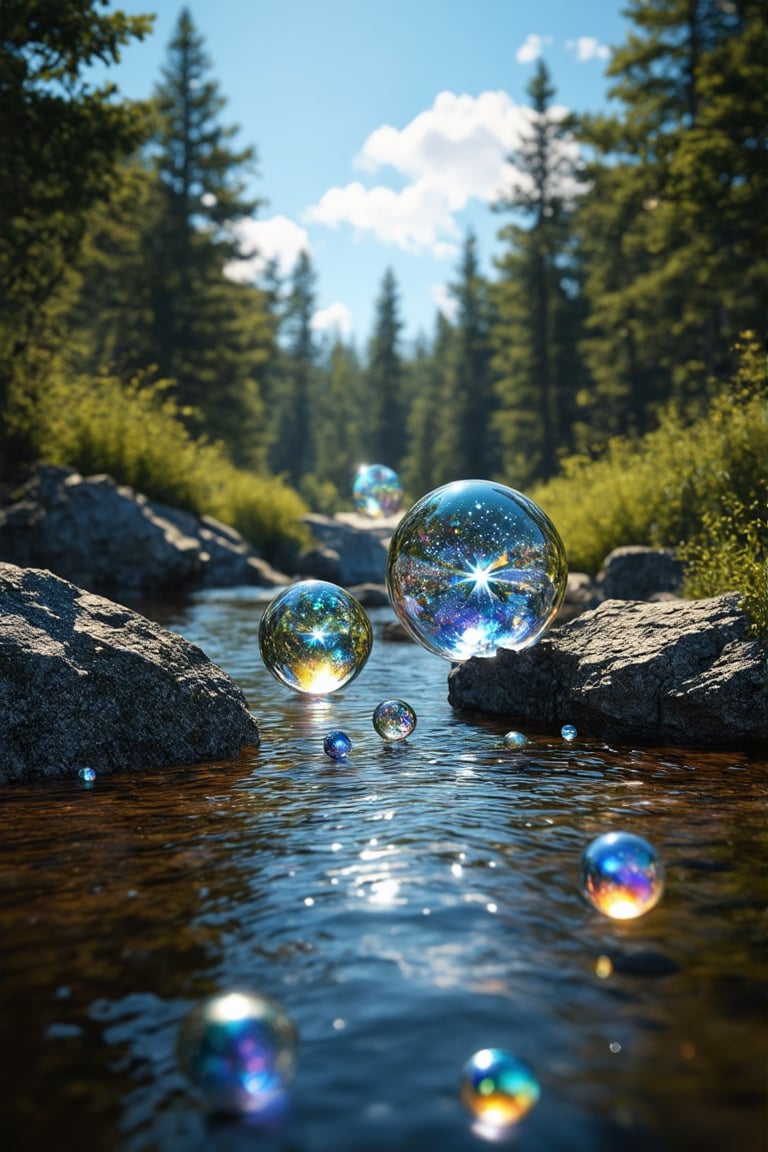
{"x":315,"y":637}
{"x":622,"y":875}
{"x":473,"y":567}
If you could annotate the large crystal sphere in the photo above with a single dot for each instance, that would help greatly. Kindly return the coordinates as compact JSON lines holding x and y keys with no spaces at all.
{"x":475,"y":566}
{"x":376,"y":491}
{"x":315,"y":637}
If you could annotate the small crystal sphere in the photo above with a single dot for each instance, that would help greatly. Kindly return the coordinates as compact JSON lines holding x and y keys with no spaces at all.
{"x":314,"y":637}
{"x":514,"y":740}
{"x":239,"y":1051}
{"x":622,"y":875}
{"x":87,"y":775}
{"x":473,"y":567}
{"x":394,"y":719}
{"x":337,"y":745}
{"x":377,"y":491}
{"x":568,"y":732}
{"x":498,"y":1088}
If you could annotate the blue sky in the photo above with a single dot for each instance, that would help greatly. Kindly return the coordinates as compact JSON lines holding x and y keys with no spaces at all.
{"x":381,"y":128}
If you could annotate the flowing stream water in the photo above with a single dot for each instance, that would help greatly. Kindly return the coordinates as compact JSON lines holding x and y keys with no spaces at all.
{"x":407,"y":908}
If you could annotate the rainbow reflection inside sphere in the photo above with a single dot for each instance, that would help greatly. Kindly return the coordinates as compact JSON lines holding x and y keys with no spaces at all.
{"x":314,"y":637}
{"x":239,"y":1051}
{"x":394,"y":720}
{"x":622,"y":875}
{"x":377,"y":491}
{"x":498,"y":1088}
{"x":475,"y":566}
{"x":337,"y":745}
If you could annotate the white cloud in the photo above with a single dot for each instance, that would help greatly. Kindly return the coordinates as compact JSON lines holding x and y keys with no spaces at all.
{"x":445,"y":301}
{"x":531,"y":48}
{"x":588,"y":48}
{"x":453,"y":152}
{"x":337,"y":317}
{"x":278,"y":238}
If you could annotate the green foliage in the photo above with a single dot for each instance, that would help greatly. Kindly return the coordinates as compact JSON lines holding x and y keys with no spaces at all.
{"x":702,"y":485}
{"x":135,"y":433}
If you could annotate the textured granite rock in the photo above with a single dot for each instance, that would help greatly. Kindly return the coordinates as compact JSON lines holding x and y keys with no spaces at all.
{"x":85,"y":682}
{"x":638,"y":573}
{"x":107,"y":537}
{"x":679,"y":672}
{"x":360,"y":543}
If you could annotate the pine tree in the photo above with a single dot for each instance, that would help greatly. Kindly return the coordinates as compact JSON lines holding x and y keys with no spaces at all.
{"x":536,"y":375}
{"x":464,"y":445}
{"x":430,"y":381}
{"x":61,"y":140}
{"x":338,"y":420}
{"x":384,"y":380}
{"x":210,"y":334}
{"x":293,"y":397}
{"x":674,"y":232}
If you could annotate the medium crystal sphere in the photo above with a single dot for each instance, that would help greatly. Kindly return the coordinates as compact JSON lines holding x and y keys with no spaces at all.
{"x":473,"y":567}
{"x":498,"y":1088}
{"x":377,"y":491}
{"x":394,"y":720}
{"x":239,"y":1051}
{"x":515,"y":740}
{"x":314,"y":637}
{"x":337,"y":745}
{"x":568,"y":732}
{"x":622,"y":875}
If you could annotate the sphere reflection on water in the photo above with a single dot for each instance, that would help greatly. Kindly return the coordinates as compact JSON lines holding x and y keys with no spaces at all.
{"x":315,"y":637}
{"x":498,"y":1088}
{"x":475,"y":566}
{"x":622,"y":875}
{"x":239,"y":1051}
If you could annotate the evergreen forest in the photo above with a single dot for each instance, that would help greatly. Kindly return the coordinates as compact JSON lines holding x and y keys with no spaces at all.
{"x":626,"y":310}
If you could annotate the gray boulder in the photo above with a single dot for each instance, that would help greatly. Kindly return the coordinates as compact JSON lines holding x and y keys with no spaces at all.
{"x":87,"y":683}
{"x":639,"y":573}
{"x":107,"y":537}
{"x":678,"y":672}
{"x":361,"y":544}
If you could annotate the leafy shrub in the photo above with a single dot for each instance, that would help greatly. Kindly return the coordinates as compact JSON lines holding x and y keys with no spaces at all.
{"x":135,"y":433}
{"x":702,"y":487}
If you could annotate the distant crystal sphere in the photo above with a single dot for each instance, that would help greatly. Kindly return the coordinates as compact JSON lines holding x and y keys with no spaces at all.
{"x":337,"y":745}
{"x":314,"y":637}
{"x":622,"y":875}
{"x":498,"y":1088}
{"x":473,"y":567}
{"x":87,"y":775}
{"x":394,"y":719}
{"x":568,"y":732}
{"x":239,"y":1051}
{"x":515,"y":740}
{"x":377,"y":491}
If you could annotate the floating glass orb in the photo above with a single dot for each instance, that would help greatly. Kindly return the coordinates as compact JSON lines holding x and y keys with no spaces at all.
{"x":315,"y":637}
{"x":337,"y":745}
{"x":394,"y":720}
{"x":622,"y":875}
{"x":377,"y":491}
{"x":239,"y":1050}
{"x":87,"y":775}
{"x":498,"y":1088}
{"x":514,"y":740}
{"x":475,"y":566}
{"x":568,"y":732}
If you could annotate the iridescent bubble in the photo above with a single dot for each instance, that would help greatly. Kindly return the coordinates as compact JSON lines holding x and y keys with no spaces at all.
{"x":394,"y":720}
{"x":377,"y":491}
{"x":622,"y":875}
{"x":337,"y":745}
{"x":239,"y":1050}
{"x":473,"y":567}
{"x":315,"y":637}
{"x":514,"y":740}
{"x":87,"y":775}
{"x":498,"y":1088}
{"x":568,"y":732}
